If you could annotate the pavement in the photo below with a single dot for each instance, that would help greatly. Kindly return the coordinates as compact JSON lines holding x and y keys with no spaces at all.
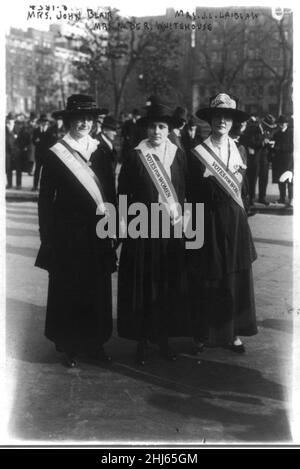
{"x":217,"y":398}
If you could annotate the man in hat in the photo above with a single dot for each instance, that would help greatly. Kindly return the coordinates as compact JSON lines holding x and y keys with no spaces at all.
{"x":257,"y":139}
{"x":191,"y":134}
{"x":97,"y":130}
{"x":267,"y":128}
{"x":12,"y":156}
{"x":106,"y":146}
{"x":282,"y":161}
{"x":42,"y":138}
{"x":76,"y":183}
{"x":178,"y":122}
{"x":131,"y":132}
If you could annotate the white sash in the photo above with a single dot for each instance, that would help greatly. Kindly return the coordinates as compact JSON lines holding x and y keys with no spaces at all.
{"x":224,"y":176}
{"x":161,"y":181}
{"x":82,"y":172}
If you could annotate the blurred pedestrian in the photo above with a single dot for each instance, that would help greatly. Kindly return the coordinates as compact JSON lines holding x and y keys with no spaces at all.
{"x":131,"y":133}
{"x":107,"y":150}
{"x":282,"y":160}
{"x":221,"y":283}
{"x":57,"y":129}
{"x":191,"y":134}
{"x":76,"y":180}
{"x":42,"y":138}
{"x":152,"y":285}
{"x":267,"y":127}
{"x":12,"y":153}
{"x":178,"y":121}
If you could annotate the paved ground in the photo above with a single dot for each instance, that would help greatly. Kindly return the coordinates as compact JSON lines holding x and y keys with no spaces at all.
{"x":221,"y":398}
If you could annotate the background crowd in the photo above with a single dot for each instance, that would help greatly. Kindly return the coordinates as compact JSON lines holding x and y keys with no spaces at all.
{"x":268,"y":143}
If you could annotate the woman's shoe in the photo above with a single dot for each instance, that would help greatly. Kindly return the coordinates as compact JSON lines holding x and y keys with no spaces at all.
{"x":142,"y":353}
{"x":236,"y":348}
{"x":198,"y":347}
{"x":167,"y":353}
{"x":99,"y":357}
{"x":69,"y":360}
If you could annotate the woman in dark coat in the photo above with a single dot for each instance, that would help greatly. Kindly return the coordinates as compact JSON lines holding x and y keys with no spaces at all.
{"x":221,"y":283}
{"x":76,"y":179}
{"x":152,"y":285}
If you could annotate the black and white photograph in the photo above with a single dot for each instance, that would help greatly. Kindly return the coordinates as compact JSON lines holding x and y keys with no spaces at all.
{"x":149,"y":256}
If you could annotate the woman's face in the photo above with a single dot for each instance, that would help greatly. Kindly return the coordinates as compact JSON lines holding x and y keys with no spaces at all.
{"x":221,"y":125}
{"x":81,"y":125}
{"x":157,"y":133}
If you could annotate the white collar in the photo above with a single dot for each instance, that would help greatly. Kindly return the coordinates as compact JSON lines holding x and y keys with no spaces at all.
{"x":107,"y":141}
{"x":235,"y":161}
{"x":85,"y":147}
{"x":177,"y":132}
{"x":166,"y":156}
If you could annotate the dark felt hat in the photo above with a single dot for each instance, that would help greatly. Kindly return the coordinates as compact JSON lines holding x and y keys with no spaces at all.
{"x":158,"y":112}
{"x":79,"y":104}
{"x":109,"y":123}
{"x":10,"y":116}
{"x":269,"y":121}
{"x":192,"y":121}
{"x":179,"y":117}
{"x":43,"y":118}
{"x":282,"y":119}
{"x":222,"y":103}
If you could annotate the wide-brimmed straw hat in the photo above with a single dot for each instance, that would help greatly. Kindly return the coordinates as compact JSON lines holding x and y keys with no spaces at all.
{"x":224,"y":104}
{"x":79,"y":104}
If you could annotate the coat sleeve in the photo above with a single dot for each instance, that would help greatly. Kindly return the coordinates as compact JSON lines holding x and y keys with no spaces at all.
{"x":46,"y":201}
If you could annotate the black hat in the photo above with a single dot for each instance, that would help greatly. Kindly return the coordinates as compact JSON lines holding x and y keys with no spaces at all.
{"x":32,"y":115}
{"x":225,"y":104}
{"x":79,"y":104}
{"x":151,"y":100}
{"x":269,"y":121}
{"x":43,"y":118}
{"x":158,"y":113}
{"x":192,"y":121}
{"x":179,"y":117}
{"x":282,"y":119}
{"x":10,"y":116}
{"x":109,"y":123}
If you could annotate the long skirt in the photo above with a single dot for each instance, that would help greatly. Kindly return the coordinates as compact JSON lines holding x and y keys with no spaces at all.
{"x":223,"y":309}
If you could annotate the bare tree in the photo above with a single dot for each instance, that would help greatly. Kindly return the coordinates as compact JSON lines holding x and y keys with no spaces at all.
{"x":277,"y":39}
{"x":112,"y":57}
{"x":221,"y":55}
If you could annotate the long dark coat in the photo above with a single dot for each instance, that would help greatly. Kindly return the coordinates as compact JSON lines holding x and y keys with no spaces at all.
{"x":152,"y":285}
{"x":283,"y":153}
{"x":79,"y":306}
{"x":220,"y":274}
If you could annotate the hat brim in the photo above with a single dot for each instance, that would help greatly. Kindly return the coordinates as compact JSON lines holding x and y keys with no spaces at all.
{"x":93,"y":111}
{"x":207,"y":114}
{"x":270,"y":126}
{"x":156,"y":118}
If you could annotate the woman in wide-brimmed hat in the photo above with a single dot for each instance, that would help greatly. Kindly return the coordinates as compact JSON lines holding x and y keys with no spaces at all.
{"x":220,"y":272}
{"x":74,"y":184}
{"x":152,"y":285}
